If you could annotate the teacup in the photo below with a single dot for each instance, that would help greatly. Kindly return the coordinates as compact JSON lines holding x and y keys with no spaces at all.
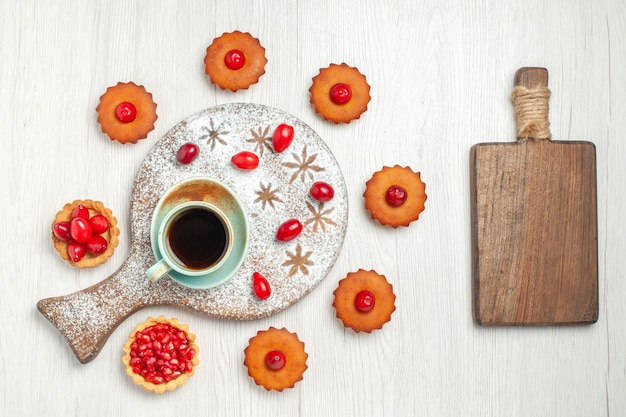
{"x":195,"y":238}
{"x":199,"y":234}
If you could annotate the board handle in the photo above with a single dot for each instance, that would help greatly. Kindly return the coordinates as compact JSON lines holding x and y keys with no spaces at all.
{"x":87,"y":318}
{"x":531,"y":98}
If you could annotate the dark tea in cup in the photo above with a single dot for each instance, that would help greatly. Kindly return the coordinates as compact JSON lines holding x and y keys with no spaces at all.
{"x":194,"y":238}
{"x":197,"y":238}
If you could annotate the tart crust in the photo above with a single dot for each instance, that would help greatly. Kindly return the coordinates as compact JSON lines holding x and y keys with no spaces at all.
{"x":244,"y":77}
{"x":111,"y":235}
{"x":346,"y":292}
{"x":324,"y":82}
{"x":144,"y":120}
{"x":174,"y":383}
{"x":295,"y":359}
{"x":376,"y":203}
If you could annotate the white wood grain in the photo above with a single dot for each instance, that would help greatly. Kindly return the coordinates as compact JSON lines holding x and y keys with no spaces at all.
{"x":441,"y":73}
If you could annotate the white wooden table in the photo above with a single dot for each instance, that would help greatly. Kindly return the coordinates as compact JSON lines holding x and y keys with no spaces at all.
{"x":441,"y":73}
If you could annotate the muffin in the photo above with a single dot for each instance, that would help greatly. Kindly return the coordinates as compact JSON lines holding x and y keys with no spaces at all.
{"x":275,"y":359}
{"x":340,"y":93}
{"x":126,"y":112}
{"x":234,"y":61}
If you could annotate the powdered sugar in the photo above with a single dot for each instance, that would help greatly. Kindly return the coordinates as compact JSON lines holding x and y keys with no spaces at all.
{"x":276,"y":191}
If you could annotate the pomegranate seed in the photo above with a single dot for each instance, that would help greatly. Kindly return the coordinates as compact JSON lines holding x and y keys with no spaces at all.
{"x":80,"y":211}
{"x":275,"y":360}
{"x":282,"y":137}
{"x":289,"y":230}
{"x":364,"y":301}
{"x":395,"y":196}
{"x":245,"y":160}
{"x":340,"y":93}
{"x":261,"y":286}
{"x":234,"y":59}
{"x":187,"y":153}
{"x":126,"y":112}
{"x":96,"y":244}
{"x":80,"y":229}
{"x":322,"y":191}
{"x":99,"y":224}
{"x":76,"y":250}
{"x":152,"y":357}
{"x":62,"y":231}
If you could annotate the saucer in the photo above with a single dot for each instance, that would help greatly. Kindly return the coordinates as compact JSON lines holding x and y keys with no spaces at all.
{"x":216,"y":193}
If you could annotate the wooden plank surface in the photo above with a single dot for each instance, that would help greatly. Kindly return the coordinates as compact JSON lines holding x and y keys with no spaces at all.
{"x":441,"y":73}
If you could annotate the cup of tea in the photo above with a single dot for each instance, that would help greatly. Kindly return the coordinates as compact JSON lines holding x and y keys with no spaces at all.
{"x":199,"y":234}
{"x":195,"y":238}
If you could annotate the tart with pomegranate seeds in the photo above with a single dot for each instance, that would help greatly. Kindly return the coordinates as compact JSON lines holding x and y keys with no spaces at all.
{"x":160,"y":354}
{"x":364,"y":301}
{"x":395,"y":196}
{"x":85,"y":233}
{"x":275,"y":359}
{"x":235,"y":61}
{"x":126,"y":112}
{"x":340,"y":93}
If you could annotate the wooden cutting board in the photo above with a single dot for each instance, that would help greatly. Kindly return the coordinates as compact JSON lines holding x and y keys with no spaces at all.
{"x":276,"y":191}
{"x":534,"y":221}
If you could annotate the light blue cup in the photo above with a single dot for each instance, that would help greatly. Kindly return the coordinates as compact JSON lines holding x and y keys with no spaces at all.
{"x":211,"y":195}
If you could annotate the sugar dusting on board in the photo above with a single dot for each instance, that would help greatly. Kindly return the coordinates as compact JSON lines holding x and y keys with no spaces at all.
{"x":273,"y":193}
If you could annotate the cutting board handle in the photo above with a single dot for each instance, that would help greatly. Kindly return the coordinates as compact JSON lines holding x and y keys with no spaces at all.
{"x":531,"y":98}
{"x":87,"y":333}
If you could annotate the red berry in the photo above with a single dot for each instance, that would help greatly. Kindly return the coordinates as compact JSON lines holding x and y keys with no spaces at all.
{"x":62,"y":231}
{"x":364,"y":301}
{"x":289,"y":230}
{"x":99,"y":224}
{"x":80,"y":229}
{"x":245,"y":160}
{"x":395,"y":196}
{"x":80,"y":211}
{"x":282,"y":137}
{"x":261,"y":286}
{"x":234,"y":59}
{"x":161,"y":353}
{"x":340,"y":93}
{"x":76,"y":250}
{"x":126,"y":112}
{"x":322,"y":191}
{"x":96,"y":244}
{"x":275,"y":360}
{"x":187,"y":153}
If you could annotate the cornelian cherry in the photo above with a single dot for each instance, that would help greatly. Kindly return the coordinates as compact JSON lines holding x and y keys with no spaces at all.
{"x":340,"y":93}
{"x":62,"y":231}
{"x":187,"y":153}
{"x":99,"y":224}
{"x":282,"y":137}
{"x":289,"y":230}
{"x":245,"y":160}
{"x":80,"y":229}
{"x":234,"y":59}
{"x":126,"y":112}
{"x":96,"y":244}
{"x":364,"y":301}
{"x":275,"y":360}
{"x":80,"y":211}
{"x":261,"y":286}
{"x":395,"y":196}
{"x":322,"y":191}
{"x":76,"y":250}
